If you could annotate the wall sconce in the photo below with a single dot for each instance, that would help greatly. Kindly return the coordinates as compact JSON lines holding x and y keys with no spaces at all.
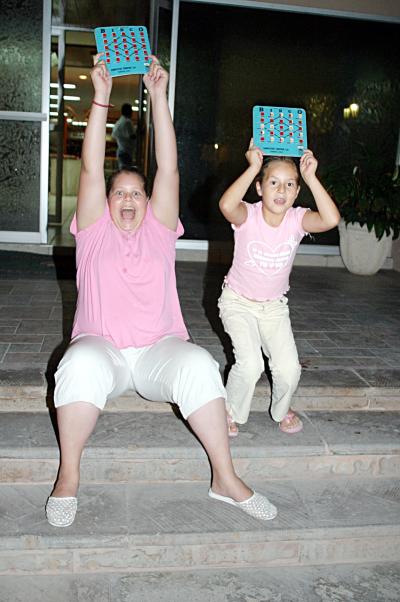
{"x":351,"y":111}
{"x":354,"y":108}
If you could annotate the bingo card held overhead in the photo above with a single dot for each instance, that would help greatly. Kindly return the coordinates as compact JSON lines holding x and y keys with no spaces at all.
{"x":126,"y":49}
{"x":280,"y":130}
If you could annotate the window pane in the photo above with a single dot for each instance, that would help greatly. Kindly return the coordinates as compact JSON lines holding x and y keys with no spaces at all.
{"x":230,"y":59}
{"x":19,"y":175}
{"x":91,"y":13}
{"x":21,"y":55}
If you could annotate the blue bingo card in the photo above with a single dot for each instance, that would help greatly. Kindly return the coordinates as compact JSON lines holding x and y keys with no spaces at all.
{"x":126,"y":49}
{"x":280,"y":130}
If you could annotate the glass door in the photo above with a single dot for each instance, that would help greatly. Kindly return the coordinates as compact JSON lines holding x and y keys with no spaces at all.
{"x":25,"y":35}
{"x":71,"y":95}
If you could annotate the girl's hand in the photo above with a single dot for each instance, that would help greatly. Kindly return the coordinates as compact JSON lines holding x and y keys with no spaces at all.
{"x":308,"y":165}
{"x":156,"y":80}
{"x":254,"y":156}
{"x":101,"y":78}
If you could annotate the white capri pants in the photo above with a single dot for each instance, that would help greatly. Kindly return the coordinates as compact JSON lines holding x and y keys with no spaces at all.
{"x":172,"y":370}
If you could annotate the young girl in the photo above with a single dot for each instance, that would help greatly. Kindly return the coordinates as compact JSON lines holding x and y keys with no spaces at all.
{"x":253,"y":306}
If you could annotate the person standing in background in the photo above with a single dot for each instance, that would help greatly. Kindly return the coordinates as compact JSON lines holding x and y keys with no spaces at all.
{"x":125,"y":137}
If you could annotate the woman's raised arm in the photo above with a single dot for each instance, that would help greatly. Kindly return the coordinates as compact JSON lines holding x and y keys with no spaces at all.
{"x":92,"y":189}
{"x":165,"y":195}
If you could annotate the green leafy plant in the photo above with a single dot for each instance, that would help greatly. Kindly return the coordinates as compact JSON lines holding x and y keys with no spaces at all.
{"x":363,"y":179}
{"x":368,"y":195}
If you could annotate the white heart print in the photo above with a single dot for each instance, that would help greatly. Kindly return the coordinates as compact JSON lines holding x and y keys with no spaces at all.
{"x":270,"y":260}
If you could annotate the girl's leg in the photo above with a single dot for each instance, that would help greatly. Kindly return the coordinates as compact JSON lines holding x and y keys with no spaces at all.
{"x":279,"y":345}
{"x":241,"y":325}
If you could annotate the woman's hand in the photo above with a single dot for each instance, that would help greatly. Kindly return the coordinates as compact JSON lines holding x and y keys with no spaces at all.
{"x":308,"y":165}
{"x":156,"y":80}
{"x":254,"y":156}
{"x":101,"y":78}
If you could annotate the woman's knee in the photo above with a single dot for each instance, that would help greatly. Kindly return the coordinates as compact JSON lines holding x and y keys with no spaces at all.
{"x":199,"y":380}
{"x":86,"y":373}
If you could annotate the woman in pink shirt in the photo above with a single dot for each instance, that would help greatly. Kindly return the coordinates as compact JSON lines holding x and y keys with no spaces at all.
{"x":253,"y":306}
{"x":128,"y":329}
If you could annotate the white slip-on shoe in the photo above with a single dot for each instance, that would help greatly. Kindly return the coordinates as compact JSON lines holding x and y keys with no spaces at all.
{"x":257,"y":505}
{"x":61,"y":511}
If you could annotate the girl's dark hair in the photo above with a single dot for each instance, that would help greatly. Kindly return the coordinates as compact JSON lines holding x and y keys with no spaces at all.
{"x":132,"y":170}
{"x":267,"y":162}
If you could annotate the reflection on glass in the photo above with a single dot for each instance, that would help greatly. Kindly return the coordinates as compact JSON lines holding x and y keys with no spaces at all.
{"x":230,"y":59}
{"x":19,"y":175}
{"x":21,"y":55}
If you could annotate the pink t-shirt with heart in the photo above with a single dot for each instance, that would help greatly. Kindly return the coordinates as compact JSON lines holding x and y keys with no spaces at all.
{"x":264,"y":255}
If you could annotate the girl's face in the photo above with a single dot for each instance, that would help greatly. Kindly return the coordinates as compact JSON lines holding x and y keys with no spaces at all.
{"x":279,"y":187}
{"x":127,"y":202}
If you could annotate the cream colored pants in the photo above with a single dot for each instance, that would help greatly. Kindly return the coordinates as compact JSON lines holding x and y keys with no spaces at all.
{"x":253,"y":327}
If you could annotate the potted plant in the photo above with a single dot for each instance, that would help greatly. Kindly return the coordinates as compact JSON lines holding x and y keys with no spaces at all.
{"x":368,"y":198}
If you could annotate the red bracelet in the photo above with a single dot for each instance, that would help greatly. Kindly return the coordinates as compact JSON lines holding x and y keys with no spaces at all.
{"x":100,"y":105}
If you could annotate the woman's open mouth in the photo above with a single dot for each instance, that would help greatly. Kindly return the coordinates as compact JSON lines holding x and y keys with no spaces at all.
{"x":128,"y":213}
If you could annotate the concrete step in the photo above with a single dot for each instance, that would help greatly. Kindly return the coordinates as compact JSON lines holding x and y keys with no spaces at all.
{"x":169,"y":526}
{"x":157,"y":447}
{"x":329,"y":396}
{"x":340,"y":583}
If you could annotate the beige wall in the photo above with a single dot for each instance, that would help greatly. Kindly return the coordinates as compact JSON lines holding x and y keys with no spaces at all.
{"x":387,"y":9}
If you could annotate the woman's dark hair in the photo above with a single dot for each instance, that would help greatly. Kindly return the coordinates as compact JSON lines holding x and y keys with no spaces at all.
{"x":131,"y":170}
{"x":267,"y":162}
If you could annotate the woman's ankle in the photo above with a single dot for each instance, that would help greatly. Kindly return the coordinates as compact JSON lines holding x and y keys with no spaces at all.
{"x":66,"y":485}
{"x":231,"y":487}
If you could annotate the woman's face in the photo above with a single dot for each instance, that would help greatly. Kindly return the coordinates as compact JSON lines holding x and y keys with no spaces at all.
{"x":127,"y":201}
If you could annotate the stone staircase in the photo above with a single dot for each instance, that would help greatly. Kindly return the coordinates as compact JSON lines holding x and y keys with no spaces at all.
{"x":146,"y":529}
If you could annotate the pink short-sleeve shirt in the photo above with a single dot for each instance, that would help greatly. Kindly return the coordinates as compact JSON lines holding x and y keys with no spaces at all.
{"x":264,"y":255}
{"x":126,"y":282}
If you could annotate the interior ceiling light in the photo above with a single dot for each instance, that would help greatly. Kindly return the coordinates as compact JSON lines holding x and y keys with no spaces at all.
{"x":55,"y":97}
{"x":83,"y":76}
{"x":66,"y":86}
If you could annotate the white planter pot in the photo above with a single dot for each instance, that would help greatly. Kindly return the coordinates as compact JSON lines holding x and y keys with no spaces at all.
{"x":361,"y":251}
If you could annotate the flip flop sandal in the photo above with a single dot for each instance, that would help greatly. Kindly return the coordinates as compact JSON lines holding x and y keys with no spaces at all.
{"x":233,"y":430}
{"x":257,"y":506}
{"x":291,"y":430}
